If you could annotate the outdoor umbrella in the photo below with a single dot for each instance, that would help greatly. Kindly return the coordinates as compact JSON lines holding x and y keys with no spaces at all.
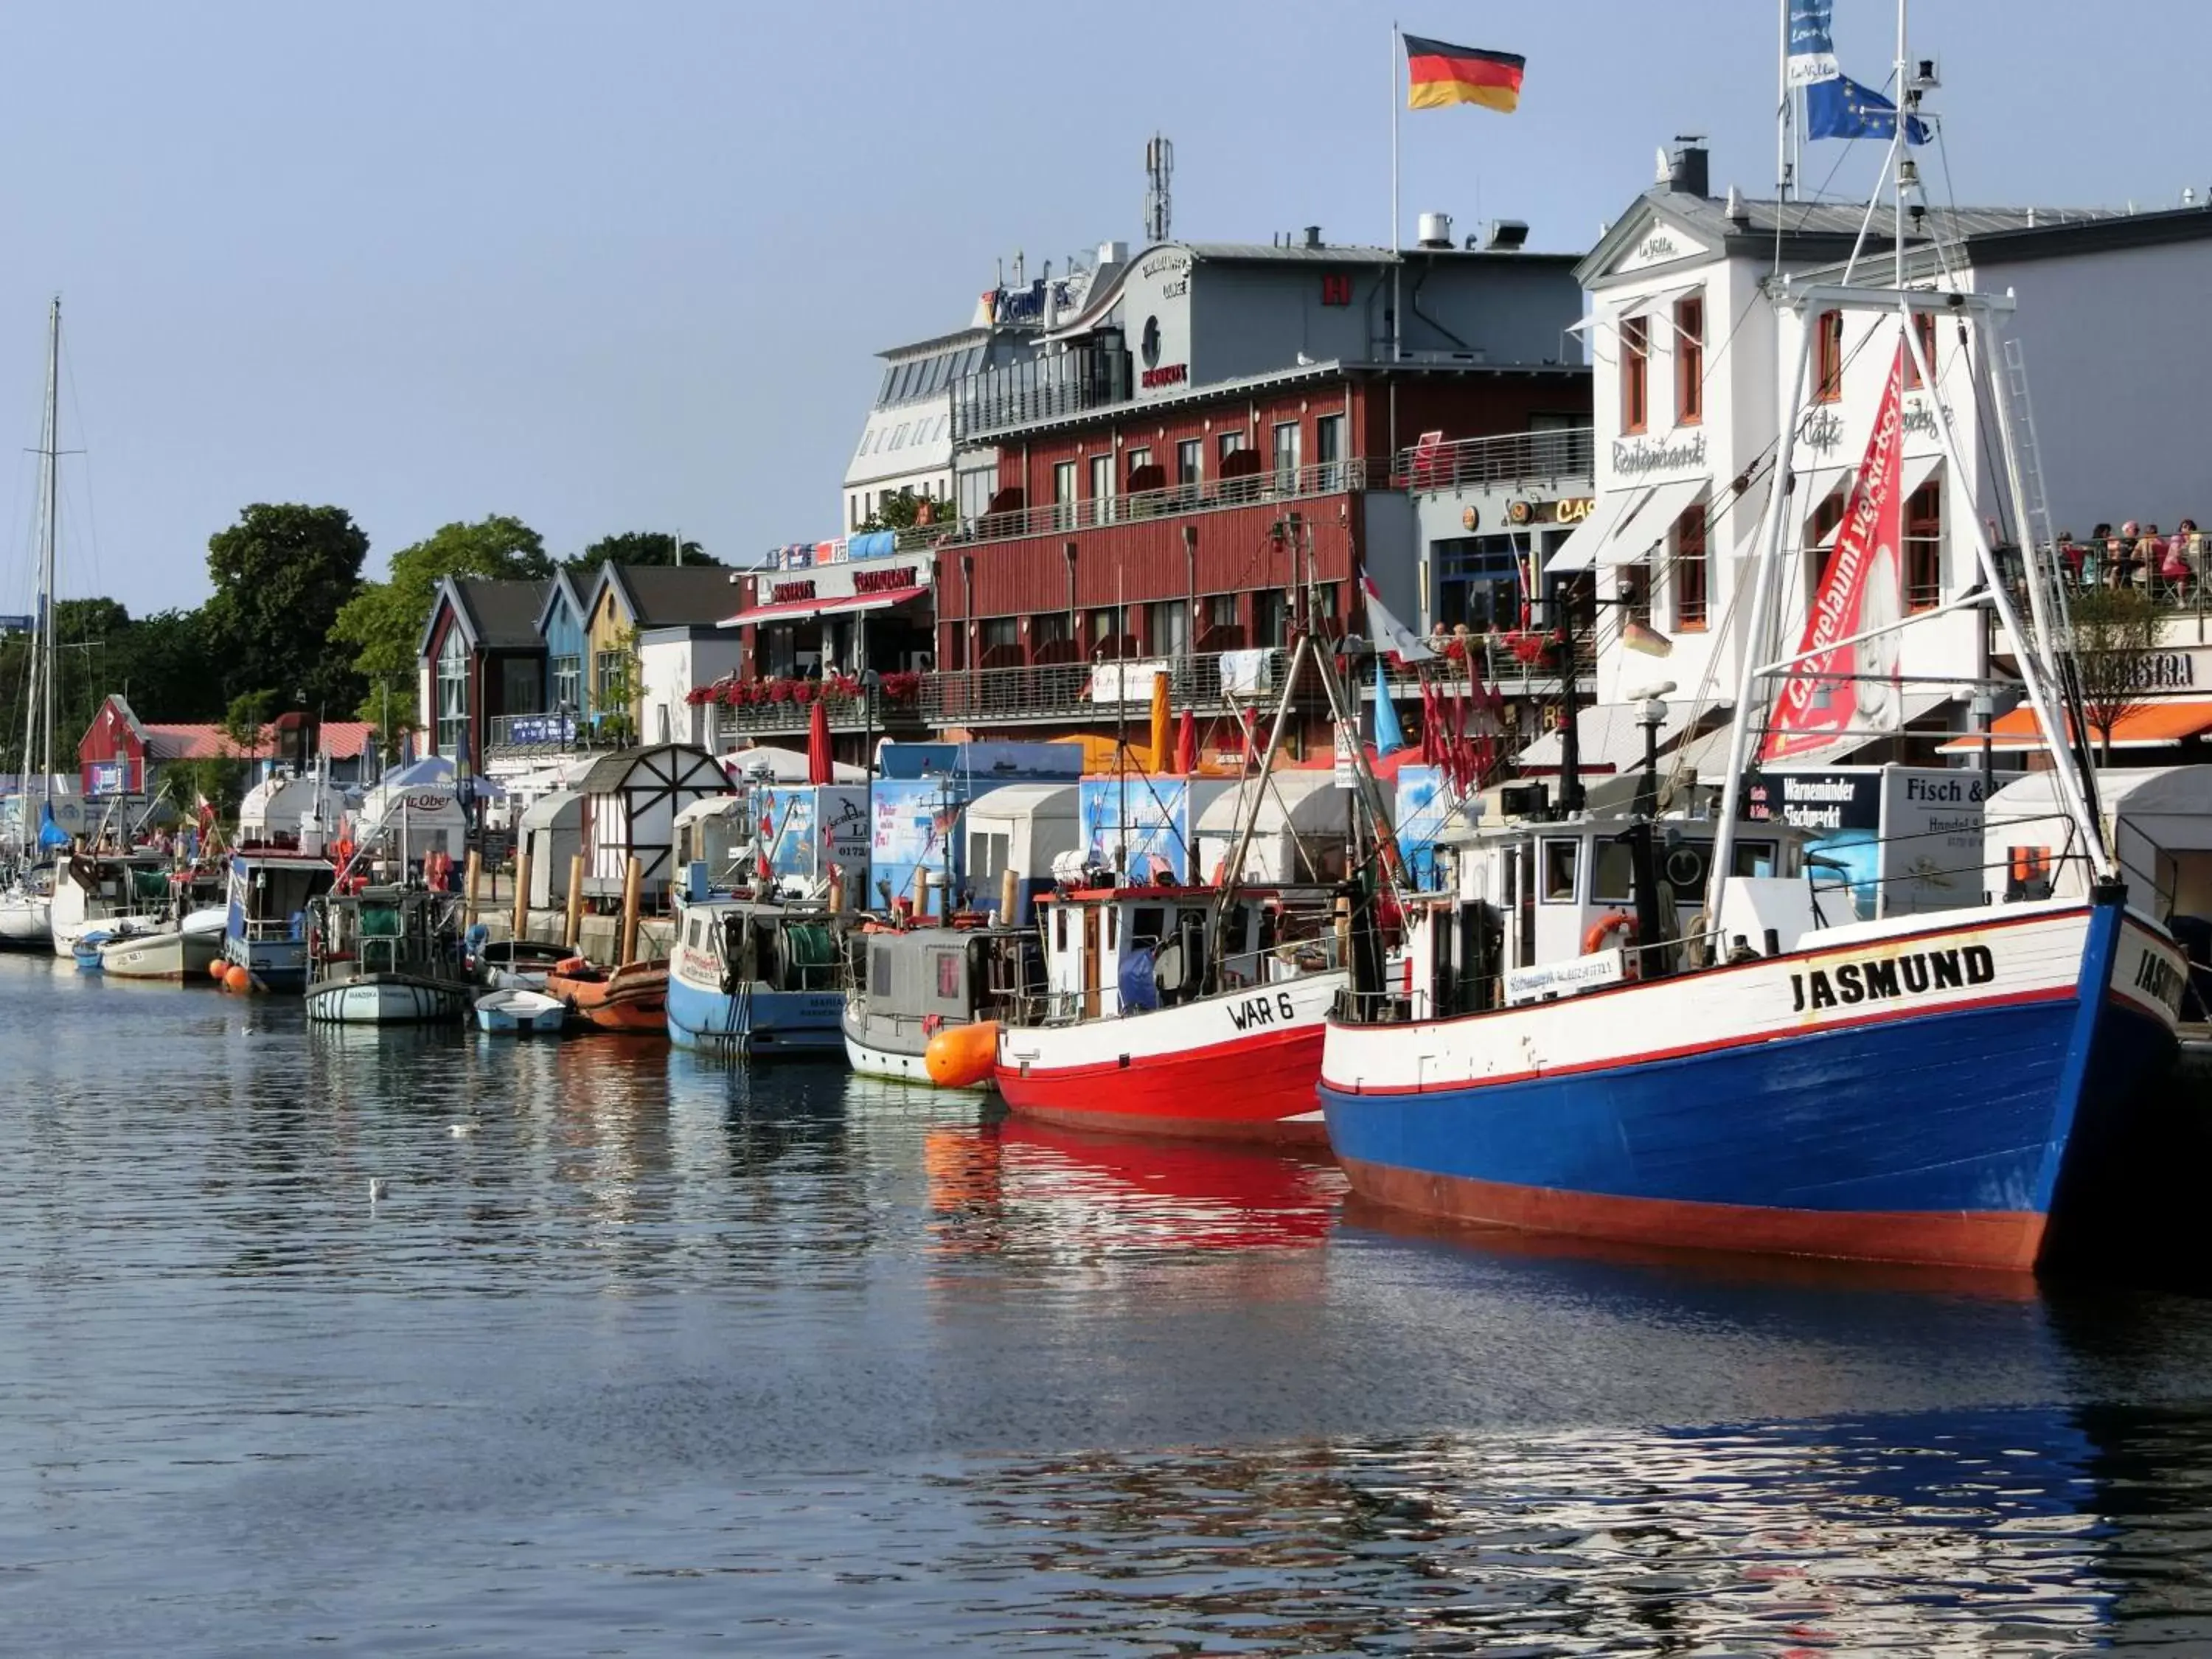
{"x":1186,"y":753}
{"x":820,"y":769}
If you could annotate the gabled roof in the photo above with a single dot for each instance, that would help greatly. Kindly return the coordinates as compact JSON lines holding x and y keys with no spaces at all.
{"x":564,"y":582}
{"x":493,"y":615}
{"x":339,"y":739}
{"x":1815,"y":232}
{"x":666,"y":596}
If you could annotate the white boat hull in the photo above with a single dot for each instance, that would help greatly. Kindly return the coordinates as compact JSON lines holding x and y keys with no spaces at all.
{"x":175,"y":955}
{"x":25,"y":922}
{"x":900,"y":1068}
{"x":386,"y":999}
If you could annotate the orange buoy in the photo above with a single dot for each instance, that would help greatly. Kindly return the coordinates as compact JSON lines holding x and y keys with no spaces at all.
{"x":961,"y":1056}
{"x":237,"y":979}
{"x":217,"y":968}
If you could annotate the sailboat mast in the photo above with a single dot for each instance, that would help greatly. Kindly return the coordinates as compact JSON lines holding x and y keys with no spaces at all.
{"x":52,"y":511}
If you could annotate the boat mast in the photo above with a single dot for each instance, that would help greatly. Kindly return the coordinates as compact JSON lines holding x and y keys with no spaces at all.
{"x":51,"y":448}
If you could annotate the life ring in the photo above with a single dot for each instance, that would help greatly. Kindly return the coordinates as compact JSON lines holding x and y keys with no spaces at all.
{"x":1612,"y":921}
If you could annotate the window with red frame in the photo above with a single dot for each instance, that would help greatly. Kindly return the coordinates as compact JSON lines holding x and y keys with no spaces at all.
{"x":1828,"y":355}
{"x":1687,"y":561}
{"x":1635,"y":374}
{"x":1923,"y":548}
{"x":1690,"y":360}
{"x":1923,"y":330}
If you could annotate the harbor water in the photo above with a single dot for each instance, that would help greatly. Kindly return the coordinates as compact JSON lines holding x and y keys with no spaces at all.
{"x":327,"y":1340}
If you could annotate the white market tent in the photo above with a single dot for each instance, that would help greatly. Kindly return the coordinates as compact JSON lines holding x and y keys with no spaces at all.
{"x":1295,"y":809}
{"x":770,"y":763}
{"x":2159,"y":821}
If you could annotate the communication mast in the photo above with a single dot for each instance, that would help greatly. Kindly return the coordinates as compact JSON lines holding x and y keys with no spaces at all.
{"x":1160,"y":206}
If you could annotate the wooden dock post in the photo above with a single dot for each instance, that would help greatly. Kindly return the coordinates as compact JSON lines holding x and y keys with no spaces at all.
{"x":475,"y":880}
{"x":633,"y":880}
{"x":1009,"y":895}
{"x":522,"y":892}
{"x":575,"y":928}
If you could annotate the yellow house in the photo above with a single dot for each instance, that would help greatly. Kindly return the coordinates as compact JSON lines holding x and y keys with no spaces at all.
{"x":627,"y":601}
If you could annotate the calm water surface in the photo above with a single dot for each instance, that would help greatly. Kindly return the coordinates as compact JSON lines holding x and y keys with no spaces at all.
{"x":660,"y":1357}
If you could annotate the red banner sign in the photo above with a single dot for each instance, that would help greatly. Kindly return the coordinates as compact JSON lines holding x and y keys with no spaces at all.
{"x":1837,"y":688}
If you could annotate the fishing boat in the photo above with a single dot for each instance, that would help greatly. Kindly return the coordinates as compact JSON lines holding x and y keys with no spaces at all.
{"x":754,"y":977}
{"x":107,"y":894}
{"x":518,"y":1012}
{"x":26,"y":910}
{"x":265,"y":935}
{"x":631,"y":999}
{"x":1961,"y":1089}
{"x":915,"y":993}
{"x":385,"y":956}
{"x":184,"y":951}
{"x":1193,"y":1010}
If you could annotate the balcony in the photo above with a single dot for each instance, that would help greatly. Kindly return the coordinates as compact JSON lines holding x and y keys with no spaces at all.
{"x":1059,"y":694}
{"x":874,"y":712}
{"x":507,"y":736}
{"x":1510,"y":460}
{"x":1214,"y":495}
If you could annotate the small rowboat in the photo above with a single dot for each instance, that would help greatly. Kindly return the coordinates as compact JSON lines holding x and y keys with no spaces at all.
{"x":521,"y":1011}
{"x":632,"y":998}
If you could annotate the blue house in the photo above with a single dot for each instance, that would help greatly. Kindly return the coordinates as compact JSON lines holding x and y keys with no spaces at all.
{"x":561,"y":623}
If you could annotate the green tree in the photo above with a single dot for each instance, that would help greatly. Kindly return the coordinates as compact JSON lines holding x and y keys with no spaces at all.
{"x":636,"y":547}
{"x":167,"y":668}
{"x":906,"y":510}
{"x":382,"y":624}
{"x":2115,"y":631}
{"x":244,"y":719}
{"x":620,"y":683}
{"x":282,"y":574}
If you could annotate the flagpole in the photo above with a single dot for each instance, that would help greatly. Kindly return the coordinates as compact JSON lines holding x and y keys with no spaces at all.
{"x":1782,"y":108}
{"x":1397,"y":327}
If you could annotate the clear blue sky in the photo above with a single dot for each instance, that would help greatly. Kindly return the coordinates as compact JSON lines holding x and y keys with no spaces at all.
{"x":623,"y":267}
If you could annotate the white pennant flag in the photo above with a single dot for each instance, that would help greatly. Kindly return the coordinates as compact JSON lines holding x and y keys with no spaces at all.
{"x":1390,"y":633}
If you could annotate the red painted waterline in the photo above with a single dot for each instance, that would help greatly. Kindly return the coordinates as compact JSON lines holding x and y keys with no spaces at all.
{"x":1245,"y":1089}
{"x":2006,"y":1241}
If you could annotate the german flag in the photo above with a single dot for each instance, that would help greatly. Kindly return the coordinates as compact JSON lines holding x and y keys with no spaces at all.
{"x":1439,"y":75}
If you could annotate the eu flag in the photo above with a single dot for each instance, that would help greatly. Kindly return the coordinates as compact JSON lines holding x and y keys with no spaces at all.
{"x":1842,"y":108}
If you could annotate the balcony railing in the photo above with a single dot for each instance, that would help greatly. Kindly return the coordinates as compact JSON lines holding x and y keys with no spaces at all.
{"x":1509,"y":460}
{"x":877,"y":713}
{"x":1058,"y":693}
{"x":511,"y":734}
{"x":1214,"y":495}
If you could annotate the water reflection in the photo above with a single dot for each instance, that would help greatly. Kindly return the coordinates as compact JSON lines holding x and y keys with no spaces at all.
{"x":1012,"y":1184}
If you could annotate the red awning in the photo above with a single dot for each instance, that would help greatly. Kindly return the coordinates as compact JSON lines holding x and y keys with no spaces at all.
{"x":2150,"y":725}
{"x":800,"y":609}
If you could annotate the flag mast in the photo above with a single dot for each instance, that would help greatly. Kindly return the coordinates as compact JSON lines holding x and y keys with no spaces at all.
{"x":1397,"y":55}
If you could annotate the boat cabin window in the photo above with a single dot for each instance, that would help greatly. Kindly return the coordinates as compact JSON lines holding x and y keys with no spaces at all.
{"x":1059,"y":927}
{"x":1559,"y":860}
{"x":879,"y":971}
{"x":1755,"y":858}
{"x":1147,"y":925}
{"x":948,"y":975}
{"x":1612,"y":881}
{"x":1112,"y":926}
{"x":693,"y":933}
{"x":1685,"y":867}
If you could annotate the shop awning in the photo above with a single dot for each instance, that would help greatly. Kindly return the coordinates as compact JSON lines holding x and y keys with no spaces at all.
{"x":800,"y":609}
{"x":1610,"y":736}
{"x":2152,"y":726}
{"x":1653,"y":518}
{"x":1580,"y":549}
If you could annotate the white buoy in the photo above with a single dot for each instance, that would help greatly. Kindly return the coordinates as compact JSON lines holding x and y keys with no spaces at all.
{"x":377,"y":1187}
{"x":457,"y":1130}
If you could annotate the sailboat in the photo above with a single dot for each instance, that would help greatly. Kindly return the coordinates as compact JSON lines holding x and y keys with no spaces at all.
{"x":1966,"y":1088}
{"x":26,"y":907}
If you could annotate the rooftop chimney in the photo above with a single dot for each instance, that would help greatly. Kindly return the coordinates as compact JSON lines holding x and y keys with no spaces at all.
{"x":1686,"y":166}
{"x":1313,"y":236}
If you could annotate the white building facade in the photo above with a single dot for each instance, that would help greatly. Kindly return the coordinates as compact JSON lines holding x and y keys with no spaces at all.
{"x":1690,"y":355}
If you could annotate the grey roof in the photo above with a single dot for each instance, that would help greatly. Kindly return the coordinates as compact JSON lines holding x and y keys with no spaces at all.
{"x":610,"y":772}
{"x":1821,"y":232}
{"x":503,"y":615}
{"x":674,"y":596}
{"x":971,"y":335}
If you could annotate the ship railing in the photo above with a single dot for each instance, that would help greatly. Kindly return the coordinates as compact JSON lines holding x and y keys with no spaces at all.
{"x":1248,"y":971}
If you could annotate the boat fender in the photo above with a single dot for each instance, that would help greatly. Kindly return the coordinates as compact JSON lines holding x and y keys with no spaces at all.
{"x":961,"y":1056}
{"x":1612,"y":921}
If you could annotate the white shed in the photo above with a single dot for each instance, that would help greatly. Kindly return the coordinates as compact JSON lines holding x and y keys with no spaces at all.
{"x":1303,"y":830}
{"x":630,"y":802}
{"x":1022,"y":827}
{"x":2158,"y":820}
{"x":551,"y":833}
